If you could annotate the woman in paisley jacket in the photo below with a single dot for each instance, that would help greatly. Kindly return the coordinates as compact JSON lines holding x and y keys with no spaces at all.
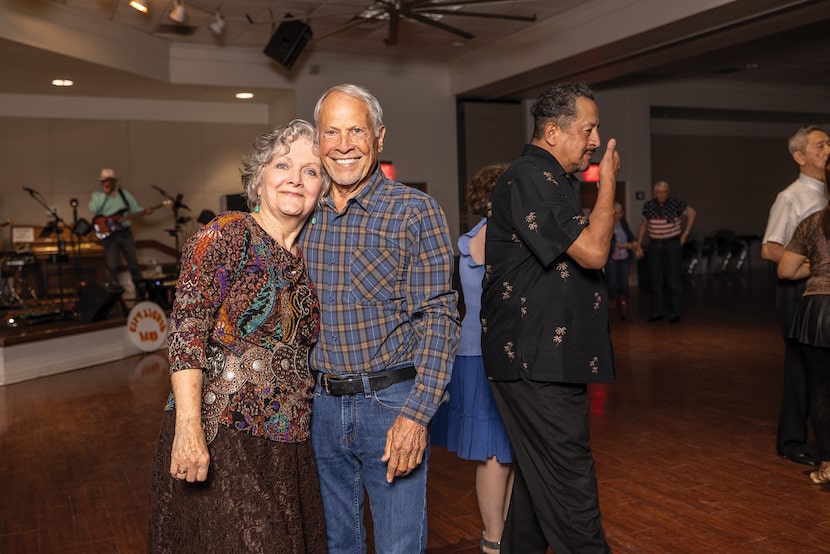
{"x":234,"y":470}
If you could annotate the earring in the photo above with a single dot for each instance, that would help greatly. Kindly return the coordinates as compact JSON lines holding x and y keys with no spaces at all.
{"x":314,"y":220}
{"x":256,"y":208}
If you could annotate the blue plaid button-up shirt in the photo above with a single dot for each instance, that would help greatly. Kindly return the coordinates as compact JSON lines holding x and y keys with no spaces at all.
{"x":383,"y":271}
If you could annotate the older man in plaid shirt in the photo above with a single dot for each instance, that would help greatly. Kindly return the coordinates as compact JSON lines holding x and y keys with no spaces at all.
{"x":380,"y":255}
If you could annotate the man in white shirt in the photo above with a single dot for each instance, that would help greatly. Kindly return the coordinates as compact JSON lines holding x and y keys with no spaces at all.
{"x":810,"y":148}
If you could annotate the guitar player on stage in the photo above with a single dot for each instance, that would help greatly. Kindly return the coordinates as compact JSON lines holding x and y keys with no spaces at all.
{"x":113,"y":207}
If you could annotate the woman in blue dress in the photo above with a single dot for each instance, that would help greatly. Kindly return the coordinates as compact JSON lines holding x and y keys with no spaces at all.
{"x":469,"y":424}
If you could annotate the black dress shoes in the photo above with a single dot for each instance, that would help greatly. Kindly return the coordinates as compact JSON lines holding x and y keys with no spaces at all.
{"x":800,"y":458}
{"x":674,"y":319}
{"x":655,"y":318}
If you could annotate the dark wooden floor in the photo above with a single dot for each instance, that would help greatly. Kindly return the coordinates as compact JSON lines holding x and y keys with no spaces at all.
{"x":684,"y":445}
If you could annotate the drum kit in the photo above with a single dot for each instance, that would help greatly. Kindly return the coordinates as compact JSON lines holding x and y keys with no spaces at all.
{"x":16,"y":276}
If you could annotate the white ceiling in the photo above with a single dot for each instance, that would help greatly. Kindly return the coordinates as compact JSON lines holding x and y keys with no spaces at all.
{"x":251,"y":24}
{"x":749,"y":40}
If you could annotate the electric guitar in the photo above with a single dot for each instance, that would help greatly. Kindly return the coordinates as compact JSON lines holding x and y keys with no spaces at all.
{"x":105,"y":225}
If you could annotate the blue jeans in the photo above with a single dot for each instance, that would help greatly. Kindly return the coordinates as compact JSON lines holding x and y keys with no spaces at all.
{"x":616,"y":274}
{"x":349,"y":433}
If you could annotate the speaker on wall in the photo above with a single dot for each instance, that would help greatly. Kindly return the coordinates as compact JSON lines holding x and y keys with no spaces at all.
{"x":288,"y":41}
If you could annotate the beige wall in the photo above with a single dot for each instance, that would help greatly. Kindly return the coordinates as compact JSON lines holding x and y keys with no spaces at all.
{"x":58,"y":145}
{"x":708,"y":162}
{"x":729,"y":170}
{"x":61,"y":160}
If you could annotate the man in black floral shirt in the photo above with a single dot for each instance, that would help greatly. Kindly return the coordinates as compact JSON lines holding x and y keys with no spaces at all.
{"x":545,"y":321}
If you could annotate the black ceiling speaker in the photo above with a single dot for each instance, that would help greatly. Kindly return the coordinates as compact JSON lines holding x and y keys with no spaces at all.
{"x":288,"y":41}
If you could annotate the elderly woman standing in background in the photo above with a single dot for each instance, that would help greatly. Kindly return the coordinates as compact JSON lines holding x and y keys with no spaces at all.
{"x":234,"y":470}
{"x":623,"y":247}
{"x":808,"y":255}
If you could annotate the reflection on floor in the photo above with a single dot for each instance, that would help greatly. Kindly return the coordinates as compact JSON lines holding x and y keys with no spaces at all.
{"x":684,"y":444}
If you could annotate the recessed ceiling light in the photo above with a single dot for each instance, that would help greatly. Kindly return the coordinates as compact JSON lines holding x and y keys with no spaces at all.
{"x":63,"y":82}
{"x":244,"y":95}
{"x":458,"y":44}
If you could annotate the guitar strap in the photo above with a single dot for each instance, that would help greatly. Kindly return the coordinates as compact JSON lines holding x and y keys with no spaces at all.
{"x":107,"y":199}
{"x":124,"y":198}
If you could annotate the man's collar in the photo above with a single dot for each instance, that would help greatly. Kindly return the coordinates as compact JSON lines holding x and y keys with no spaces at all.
{"x":538,"y":151}
{"x":811,"y":182}
{"x":365,"y":198}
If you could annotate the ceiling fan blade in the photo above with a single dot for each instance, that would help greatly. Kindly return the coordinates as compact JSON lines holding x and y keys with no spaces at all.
{"x":530,"y":18}
{"x":416,"y":4}
{"x":354,"y":22}
{"x":439,"y":25}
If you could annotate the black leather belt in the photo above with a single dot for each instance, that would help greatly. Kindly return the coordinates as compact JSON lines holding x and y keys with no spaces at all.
{"x":339,"y":385}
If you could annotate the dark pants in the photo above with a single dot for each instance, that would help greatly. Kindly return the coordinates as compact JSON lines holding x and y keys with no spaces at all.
{"x":795,"y":399}
{"x":817,"y":361}
{"x":117,"y":244}
{"x":616,"y":273}
{"x":664,"y":264}
{"x":555,"y":500}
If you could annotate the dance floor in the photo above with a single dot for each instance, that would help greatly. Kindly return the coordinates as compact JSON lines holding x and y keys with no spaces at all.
{"x":684,"y":444}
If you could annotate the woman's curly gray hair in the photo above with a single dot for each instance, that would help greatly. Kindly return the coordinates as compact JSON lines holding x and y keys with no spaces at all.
{"x":276,"y":142}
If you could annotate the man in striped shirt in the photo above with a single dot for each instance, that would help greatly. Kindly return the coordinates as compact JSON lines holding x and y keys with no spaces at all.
{"x":663,"y":219}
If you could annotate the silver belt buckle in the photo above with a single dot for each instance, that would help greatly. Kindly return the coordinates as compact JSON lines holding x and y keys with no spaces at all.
{"x":325,"y":380}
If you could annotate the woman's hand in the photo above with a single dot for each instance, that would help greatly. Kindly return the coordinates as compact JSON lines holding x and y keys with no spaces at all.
{"x":189,"y":459}
{"x":793,"y":266}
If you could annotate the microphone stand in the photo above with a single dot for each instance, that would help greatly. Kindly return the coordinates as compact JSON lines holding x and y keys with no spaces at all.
{"x":57,"y":225}
{"x":75,"y":241}
{"x":177,"y":204}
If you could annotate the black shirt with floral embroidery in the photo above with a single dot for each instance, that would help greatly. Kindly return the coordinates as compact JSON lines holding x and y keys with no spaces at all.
{"x":544,"y":317}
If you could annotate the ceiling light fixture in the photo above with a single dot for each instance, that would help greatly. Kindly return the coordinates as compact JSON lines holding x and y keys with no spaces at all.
{"x":217,"y":25}
{"x":178,"y":12}
{"x":140,"y":5}
{"x":244,"y":95}
{"x":63,"y":82}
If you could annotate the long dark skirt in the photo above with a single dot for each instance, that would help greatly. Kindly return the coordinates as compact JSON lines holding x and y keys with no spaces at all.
{"x":260,"y":496}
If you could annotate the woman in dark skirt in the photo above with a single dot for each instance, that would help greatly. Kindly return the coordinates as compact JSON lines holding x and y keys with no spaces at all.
{"x":234,"y":470}
{"x":808,"y":255}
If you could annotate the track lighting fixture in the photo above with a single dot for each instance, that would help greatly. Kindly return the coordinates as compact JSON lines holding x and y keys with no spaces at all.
{"x":141,"y":5}
{"x":217,"y":25}
{"x":178,"y":12}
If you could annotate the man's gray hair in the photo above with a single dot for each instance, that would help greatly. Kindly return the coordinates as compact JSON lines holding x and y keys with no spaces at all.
{"x":660,"y":184}
{"x":798,"y":142}
{"x":360,"y":93}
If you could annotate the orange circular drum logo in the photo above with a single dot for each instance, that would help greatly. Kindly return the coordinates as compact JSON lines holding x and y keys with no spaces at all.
{"x":147,"y":326}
